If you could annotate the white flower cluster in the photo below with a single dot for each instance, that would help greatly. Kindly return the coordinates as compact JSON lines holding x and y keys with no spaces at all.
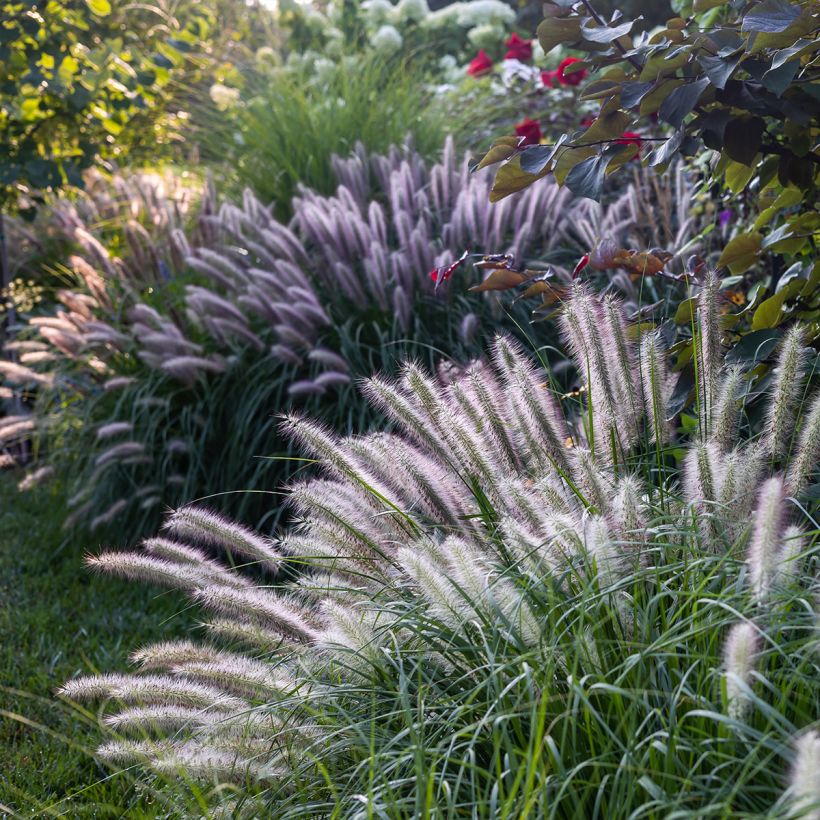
{"x":224,"y":96}
{"x":485,"y":22}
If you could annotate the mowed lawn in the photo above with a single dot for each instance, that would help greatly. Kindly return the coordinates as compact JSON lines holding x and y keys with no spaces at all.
{"x":57,"y":620}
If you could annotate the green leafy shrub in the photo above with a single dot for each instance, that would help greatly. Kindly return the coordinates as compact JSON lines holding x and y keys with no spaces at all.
{"x":506,"y":602}
{"x":80,"y":85}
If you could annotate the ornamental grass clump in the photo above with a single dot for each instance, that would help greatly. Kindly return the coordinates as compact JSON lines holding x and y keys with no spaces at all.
{"x":512,"y":599}
{"x":191,"y":342}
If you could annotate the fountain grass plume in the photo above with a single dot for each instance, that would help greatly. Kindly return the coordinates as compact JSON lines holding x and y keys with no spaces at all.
{"x":787,"y":390}
{"x":451,"y":574}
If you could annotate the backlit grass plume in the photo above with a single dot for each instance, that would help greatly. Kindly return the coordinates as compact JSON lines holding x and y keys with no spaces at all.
{"x":504,"y":598}
{"x":200,"y":333}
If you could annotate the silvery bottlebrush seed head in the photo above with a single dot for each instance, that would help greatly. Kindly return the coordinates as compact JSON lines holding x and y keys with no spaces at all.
{"x":708,"y":344}
{"x":703,"y":475}
{"x":807,"y":450}
{"x":209,"y":528}
{"x":786,"y":392}
{"x":787,"y":567}
{"x":655,"y":386}
{"x":767,"y":534}
{"x":582,"y":321}
{"x":804,"y":781}
{"x":724,"y":425}
{"x":740,"y":653}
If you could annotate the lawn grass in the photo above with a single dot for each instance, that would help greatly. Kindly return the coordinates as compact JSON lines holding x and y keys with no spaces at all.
{"x":56,"y":620}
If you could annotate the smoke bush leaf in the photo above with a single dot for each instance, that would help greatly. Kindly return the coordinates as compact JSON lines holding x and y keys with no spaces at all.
{"x":633,"y":93}
{"x":668,"y":150}
{"x":742,"y":138}
{"x":554,"y":31}
{"x":510,"y":179}
{"x":605,"y":34}
{"x":537,"y":157}
{"x":777,"y":80}
{"x":771,"y":16}
{"x":718,"y":69}
{"x":741,"y":252}
{"x":675,"y":108}
{"x":587,"y":177}
{"x":500,"y":279}
{"x":501,"y":149}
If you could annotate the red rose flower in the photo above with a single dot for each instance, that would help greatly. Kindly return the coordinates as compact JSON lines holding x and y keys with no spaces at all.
{"x":480,"y":64}
{"x":518,"y":49}
{"x":530,"y":130}
{"x":574,"y":77}
{"x":631,"y":138}
{"x":549,"y":78}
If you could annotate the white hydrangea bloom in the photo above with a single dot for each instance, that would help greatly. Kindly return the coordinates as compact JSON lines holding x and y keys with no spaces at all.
{"x":483,"y":12}
{"x":447,"y":63}
{"x":387,"y":38}
{"x":471,"y":14}
{"x":485,"y":36}
{"x":414,"y":10}
{"x":224,"y":96}
{"x":378,"y":12}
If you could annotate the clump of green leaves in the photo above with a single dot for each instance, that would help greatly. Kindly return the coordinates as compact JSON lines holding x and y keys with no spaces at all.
{"x":79,"y":82}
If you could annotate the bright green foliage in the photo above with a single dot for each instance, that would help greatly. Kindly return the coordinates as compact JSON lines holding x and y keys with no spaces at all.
{"x":80,"y":81}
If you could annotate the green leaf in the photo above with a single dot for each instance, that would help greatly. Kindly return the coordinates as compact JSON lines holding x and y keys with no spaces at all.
{"x":555,"y":31}
{"x":686,"y":311}
{"x":605,"y":34}
{"x":741,"y":252}
{"x":102,"y":8}
{"x":718,"y":69}
{"x":771,"y":16}
{"x":677,"y":106}
{"x":777,"y":80}
{"x":770,"y":311}
{"x":535,"y":158}
{"x":813,"y":281}
{"x":68,"y":68}
{"x":510,"y":179}
{"x":587,"y":177}
{"x":753,"y":347}
{"x":742,"y":137}
{"x":738,"y":175}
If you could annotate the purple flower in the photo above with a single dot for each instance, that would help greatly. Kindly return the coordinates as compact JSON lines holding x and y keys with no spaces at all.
{"x":724,"y":217}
